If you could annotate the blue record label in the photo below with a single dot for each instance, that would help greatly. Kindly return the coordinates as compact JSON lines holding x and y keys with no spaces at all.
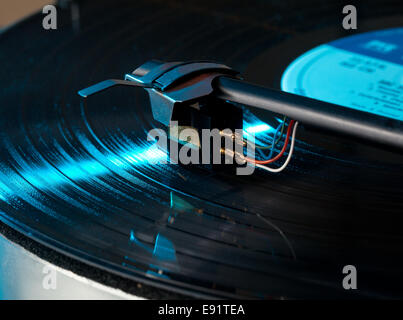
{"x":363,"y":72}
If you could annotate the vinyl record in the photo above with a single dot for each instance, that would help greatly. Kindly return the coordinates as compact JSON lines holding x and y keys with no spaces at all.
{"x":81,"y":178}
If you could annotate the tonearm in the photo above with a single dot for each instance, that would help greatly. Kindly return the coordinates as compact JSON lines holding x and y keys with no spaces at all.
{"x":185,"y":90}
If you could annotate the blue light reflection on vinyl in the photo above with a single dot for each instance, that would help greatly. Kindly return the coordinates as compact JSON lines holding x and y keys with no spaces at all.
{"x":363,"y":72}
{"x":257,"y":128}
{"x":164,"y":250}
{"x":48,"y":177}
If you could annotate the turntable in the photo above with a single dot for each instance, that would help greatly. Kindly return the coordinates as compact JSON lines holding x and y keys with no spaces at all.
{"x":85,"y":191}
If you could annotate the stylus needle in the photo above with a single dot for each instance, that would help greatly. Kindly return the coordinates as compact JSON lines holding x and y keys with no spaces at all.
{"x":101,"y":86}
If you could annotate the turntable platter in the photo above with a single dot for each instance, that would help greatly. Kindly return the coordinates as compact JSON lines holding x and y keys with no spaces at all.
{"x":78,"y":178}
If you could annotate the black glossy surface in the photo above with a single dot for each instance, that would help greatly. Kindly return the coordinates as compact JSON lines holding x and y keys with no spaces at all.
{"x":76,"y":177}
